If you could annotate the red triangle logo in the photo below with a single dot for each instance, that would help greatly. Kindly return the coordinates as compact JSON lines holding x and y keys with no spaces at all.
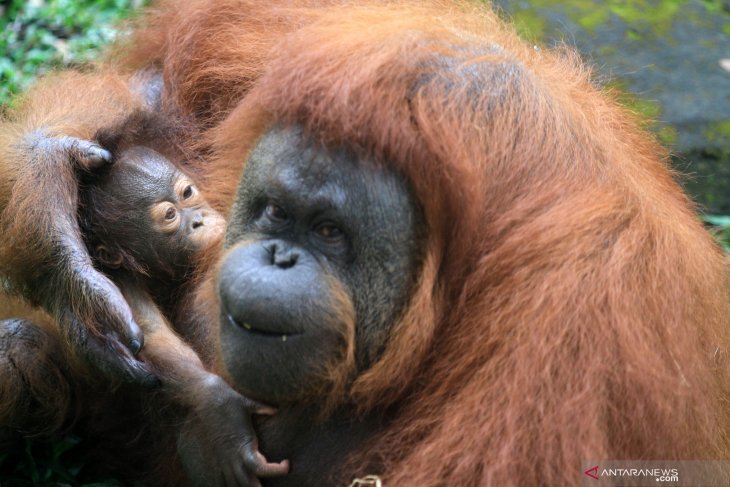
{"x":592,"y":472}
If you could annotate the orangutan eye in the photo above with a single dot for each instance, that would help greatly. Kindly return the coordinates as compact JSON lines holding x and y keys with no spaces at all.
{"x":275,"y":213}
{"x":188,"y":191}
{"x":165,"y":217}
{"x":329,"y":231}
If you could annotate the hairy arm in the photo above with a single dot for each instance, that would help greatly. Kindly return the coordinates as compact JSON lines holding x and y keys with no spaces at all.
{"x":216,"y":440}
{"x":43,"y":147}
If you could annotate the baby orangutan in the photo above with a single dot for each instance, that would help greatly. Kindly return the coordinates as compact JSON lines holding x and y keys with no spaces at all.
{"x":146,"y":226}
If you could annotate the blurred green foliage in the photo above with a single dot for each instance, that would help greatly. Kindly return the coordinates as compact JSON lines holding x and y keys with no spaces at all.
{"x":653,"y":15}
{"x":719,"y":226}
{"x":48,"y":463}
{"x":39,"y":35}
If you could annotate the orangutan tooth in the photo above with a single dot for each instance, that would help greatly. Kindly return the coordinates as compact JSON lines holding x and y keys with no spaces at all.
{"x":247,"y":326}
{"x":283,"y":338}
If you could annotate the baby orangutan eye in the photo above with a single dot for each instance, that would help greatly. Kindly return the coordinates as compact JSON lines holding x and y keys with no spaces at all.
{"x":165,"y":217}
{"x":185,"y":189}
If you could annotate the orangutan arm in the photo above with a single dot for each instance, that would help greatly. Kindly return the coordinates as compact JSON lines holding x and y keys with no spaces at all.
{"x":216,"y":440}
{"x":43,"y":146}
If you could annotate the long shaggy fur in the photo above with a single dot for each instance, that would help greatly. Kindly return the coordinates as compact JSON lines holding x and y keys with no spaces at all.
{"x":570,"y":306}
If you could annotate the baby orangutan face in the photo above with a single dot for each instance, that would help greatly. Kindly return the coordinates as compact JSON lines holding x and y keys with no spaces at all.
{"x":150,"y":216}
{"x":185,"y":215}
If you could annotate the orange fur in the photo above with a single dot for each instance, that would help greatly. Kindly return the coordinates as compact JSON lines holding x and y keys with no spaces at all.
{"x":67,"y":104}
{"x":571,"y":306}
{"x":49,"y":406}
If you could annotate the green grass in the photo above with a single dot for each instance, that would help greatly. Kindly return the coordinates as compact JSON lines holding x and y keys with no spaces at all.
{"x":39,"y":36}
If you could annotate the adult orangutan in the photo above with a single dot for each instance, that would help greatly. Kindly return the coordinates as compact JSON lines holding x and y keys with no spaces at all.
{"x":450,"y":259}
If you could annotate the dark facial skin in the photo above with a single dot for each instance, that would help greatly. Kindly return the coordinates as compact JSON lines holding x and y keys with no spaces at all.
{"x":150,"y":214}
{"x":308,"y":228}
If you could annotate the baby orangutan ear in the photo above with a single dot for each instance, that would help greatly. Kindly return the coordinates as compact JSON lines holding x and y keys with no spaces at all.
{"x":107,"y":257}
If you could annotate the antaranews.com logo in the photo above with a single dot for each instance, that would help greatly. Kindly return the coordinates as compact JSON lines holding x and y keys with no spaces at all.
{"x":656,"y":473}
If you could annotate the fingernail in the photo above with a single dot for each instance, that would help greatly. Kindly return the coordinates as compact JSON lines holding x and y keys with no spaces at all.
{"x":106,"y":155}
{"x":265,"y":411}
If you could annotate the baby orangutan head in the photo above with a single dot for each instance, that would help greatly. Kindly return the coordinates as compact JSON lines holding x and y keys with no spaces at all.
{"x":145,"y":215}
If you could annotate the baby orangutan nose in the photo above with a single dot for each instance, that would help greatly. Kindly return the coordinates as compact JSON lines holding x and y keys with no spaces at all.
{"x":206,"y":227}
{"x":198,"y":220}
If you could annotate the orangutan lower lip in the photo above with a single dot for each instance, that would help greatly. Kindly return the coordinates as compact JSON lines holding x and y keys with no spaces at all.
{"x":257,"y":331}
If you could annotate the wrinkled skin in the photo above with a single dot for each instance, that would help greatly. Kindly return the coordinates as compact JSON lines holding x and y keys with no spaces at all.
{"x":322,"y":253}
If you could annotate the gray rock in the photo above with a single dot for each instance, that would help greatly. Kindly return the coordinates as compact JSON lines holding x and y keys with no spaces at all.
{"x":673,"y":55}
